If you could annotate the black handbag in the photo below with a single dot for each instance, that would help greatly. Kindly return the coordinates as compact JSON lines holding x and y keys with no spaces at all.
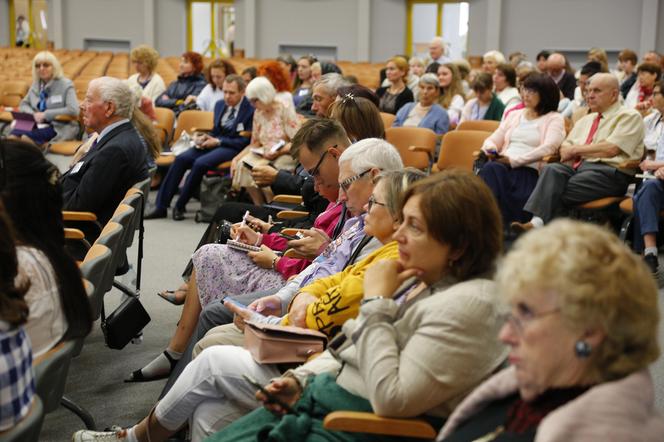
{"x":125,"y":323}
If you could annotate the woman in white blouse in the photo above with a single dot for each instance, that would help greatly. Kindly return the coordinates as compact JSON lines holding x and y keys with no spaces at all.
{"x":145,"y":58}
{"x":451,"y":92}
{"x":504,"y":83}
{"x":215,"y":74}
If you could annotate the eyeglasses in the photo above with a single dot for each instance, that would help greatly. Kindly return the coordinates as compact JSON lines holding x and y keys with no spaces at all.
{"x":345,"y":184}
{"x":522,"y":319}
{"x":315,"y":171}
{"x":373,"y":201}
{"x":42,"y":65}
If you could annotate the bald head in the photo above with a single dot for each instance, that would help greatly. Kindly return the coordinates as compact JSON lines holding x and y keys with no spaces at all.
{"x":436,"y":48}
{"x":602,"y":92}
{"x":555,"y":64}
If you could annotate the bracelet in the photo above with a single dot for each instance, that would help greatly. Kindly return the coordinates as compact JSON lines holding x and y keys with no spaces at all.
{"x":373,"y":298}
{"x":274,"y":262}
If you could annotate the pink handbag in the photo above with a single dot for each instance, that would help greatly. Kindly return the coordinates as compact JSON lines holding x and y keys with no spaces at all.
{"x":277,"y":344}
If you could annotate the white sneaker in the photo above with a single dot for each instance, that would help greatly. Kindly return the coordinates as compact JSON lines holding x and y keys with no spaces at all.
{"x":99,"y":436}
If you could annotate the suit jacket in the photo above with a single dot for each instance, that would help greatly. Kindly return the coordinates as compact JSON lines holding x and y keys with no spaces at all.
{"x":567,"y":84}
{"x":231,"y":137}
{"x":100,"y":180}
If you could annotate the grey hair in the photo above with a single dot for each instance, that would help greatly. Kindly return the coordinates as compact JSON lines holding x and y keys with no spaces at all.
{"x":261,"y":89}
{"x":331,"y":83}
{"x":395,"y":183}
{"x":117,"y":92}
{"x":371,"y":153}
{"x":429,"y":78}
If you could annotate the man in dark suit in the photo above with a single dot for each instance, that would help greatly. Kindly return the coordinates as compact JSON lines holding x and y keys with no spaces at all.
{"x":557,"y":68}
{"x":232,"y":117}
{"x":118,"y":158}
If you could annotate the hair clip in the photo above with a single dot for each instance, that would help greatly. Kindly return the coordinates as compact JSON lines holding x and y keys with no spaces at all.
{"x":348,"y":96}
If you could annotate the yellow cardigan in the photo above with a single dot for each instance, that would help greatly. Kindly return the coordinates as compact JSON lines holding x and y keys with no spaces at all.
{"x":339,"y":295}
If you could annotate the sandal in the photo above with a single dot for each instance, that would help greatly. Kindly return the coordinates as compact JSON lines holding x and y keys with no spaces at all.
{"x":138,"y":376}
{"x":172,"y":296}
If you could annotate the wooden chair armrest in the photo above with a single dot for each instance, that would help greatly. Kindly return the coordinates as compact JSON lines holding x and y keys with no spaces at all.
{"x":630,"y":164}
{"x":551,"y":158}
{"x":65,"y":118}
{"x":245,"y":133}
{"x":291,"y":214}
{"x":69,"y":215}
{"x":359,"y":422}
{"x":74,"y":234}
{"x":420,"y":149}
{"x":291,"y":253}
{"x":291,"y":199}
{"x":224,"y":166}
{"x":6,"y":116}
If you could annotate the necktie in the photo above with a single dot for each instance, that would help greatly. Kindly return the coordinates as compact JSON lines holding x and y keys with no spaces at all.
{"x":230,"y":119}
{"x":589,"y":139}
{"x":42,"y":100}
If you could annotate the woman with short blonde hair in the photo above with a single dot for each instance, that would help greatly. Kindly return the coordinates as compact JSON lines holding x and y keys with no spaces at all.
{"x":145,"y":59}
{"x":394,"y":96}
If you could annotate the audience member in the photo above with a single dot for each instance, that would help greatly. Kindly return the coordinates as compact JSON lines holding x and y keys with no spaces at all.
{"x":597,"y":147}
{"x":523,"y":138}
{"x":582,"y":331}
{"x":579,"y":107}
{"x":599,"y":55}
{"x":438,"y":51}
{"x":325,"y":91}
{"x":274,"y":124}
{"x":464,"y":72}
{"x":32,"y":198}
{"x":416,"y":67}
{"x":289,"y":65}
{"x":639,"y":97}
{"x":357,"y":90}
{"x":359,"y":117}
{"x":541,"y":59}
{"x":426,"y":113}
{"x":485,"y":105}
{"x":303,"y":82}
{"x":556,"y":67}
{"x":233,"y":115}
{"x":516,"y":58}
{"x":504,"y":83}
{"x":215,"y":74}
{"x":394,"y":96}
{"x":650,"y":196}
{"x":249,"y":74}
{"x":190,"y":81}
{"x":50,"y":95}
{"x":451,"y":91}
{"x":118,"y":158}
{"x":144,"y":59}
{"x":274,"y":72}
{"x":16,"y":374}
{"x":652,"y":57}
{"x":627,"y":61}
{"x":491,"y":60}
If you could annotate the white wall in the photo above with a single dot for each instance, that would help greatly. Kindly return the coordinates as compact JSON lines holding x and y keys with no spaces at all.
{"x":4,"y":22}
{"x":170,"y":34}
{"x":388,"y":29}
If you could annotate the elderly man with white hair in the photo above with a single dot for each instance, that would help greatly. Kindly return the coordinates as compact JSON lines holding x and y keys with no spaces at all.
{"x":438,"y":51}
{"x":556,"y":66}
{"x":325,"y":92}
{"x":117,"y":159}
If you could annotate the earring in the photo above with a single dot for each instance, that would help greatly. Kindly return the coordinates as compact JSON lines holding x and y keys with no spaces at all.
{"x":582,"y":349}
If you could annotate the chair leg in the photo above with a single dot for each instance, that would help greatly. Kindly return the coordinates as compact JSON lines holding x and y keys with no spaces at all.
{"x":79,"y":411}
{"x":624,"y":228}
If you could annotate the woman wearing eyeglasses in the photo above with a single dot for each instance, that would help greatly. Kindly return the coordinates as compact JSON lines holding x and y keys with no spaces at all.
{"x":273,"y":127}
{"x":51,"y":95}
{"x":582,"y":331}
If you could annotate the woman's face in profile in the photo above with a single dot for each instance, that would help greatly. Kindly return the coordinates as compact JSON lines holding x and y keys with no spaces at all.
{"x":417,"y":248}
{"x":186,"y":67}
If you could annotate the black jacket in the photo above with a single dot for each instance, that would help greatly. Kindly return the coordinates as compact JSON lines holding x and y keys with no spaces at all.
{"x":181,"y":89}
{"x":567,"y":85}
{"x":100,"y":180}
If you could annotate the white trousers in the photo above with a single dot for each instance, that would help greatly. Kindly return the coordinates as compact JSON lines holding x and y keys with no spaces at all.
{"x":211,"y":392}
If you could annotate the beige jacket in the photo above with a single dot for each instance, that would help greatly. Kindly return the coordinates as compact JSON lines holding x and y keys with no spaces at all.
{"x":422,"y":357}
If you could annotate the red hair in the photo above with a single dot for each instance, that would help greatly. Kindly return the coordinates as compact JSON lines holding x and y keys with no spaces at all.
{"x":275,"y":73}
{"x":195,"y":59}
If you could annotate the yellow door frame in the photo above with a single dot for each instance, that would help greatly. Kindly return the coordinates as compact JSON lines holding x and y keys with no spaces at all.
{"x":212,"y":47}
{"x":409,"y":20}
{"x":12,"y":24}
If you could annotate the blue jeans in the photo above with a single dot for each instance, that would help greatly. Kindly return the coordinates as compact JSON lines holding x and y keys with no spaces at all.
{"x":199,"y":161}
{"x":648,"y":203}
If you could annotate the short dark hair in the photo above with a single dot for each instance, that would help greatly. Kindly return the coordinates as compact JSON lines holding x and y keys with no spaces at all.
{"x":195,"y":59}
{"x":508,"y":71}
{"x":237,"y":79}
{"x":472,"y":222}
{"x":591,"y":68}
{"x":251,"y":71}
{"x":315,"y":132}
{"x":547,"y":89}
{"x":482,"y":82}
{"x":650,"y":67}
{"x":432,"y":68}
{"x":628,"y":55}
{"x":543,"y":54}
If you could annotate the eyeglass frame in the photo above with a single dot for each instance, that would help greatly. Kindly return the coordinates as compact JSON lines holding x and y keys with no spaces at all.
{"x":316,"y":170}
{"x":345,"y":184}
{"x":43,"y":64}
{"x":372,"y":201}
{"x":520,"y":324}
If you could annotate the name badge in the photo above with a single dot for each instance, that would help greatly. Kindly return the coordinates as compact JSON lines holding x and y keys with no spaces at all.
{"x":240,"y":127}
{"x":76,"y":167}
{"x":56,"y":99}
{"x":303,"y":92}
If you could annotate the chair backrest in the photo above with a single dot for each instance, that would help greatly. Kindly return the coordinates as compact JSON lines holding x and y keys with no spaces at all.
{"x":404,"y":137}
{"x":164,"y":123}
{"x":124,"y":215}
{"x":144,"y":187}
{"x":189,"y":119}
{"x":388,"y":119}
{"x":111,"y":237}
{"x":51,"y":374}
{"x":28,"y":428}
{"x":457,"y":148}
{"x":485,"y":125}
{"x":13,"y":92}
{"x":93,"y":268}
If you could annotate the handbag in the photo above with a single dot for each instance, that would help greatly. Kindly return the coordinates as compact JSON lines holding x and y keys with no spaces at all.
{"x":277,"y":344}
{"x":183,"y":144}
{"x":124,"y":323}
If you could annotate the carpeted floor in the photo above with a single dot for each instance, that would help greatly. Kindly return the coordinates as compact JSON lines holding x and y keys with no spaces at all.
{"x":96,"y":377}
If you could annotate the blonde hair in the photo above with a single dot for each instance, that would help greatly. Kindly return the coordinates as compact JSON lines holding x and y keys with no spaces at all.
{"x":146,"y":55}
{"x":496,"y":56}
{"x":600,"y":284}
{"x":401,"y":64}
{"x":46,"y":57}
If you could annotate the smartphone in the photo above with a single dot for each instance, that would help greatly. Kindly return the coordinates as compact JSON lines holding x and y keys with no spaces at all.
{"x":270,"y":397}
{"x":289,"y":237}
{"x":247,"y":165}
{"x":234,"y":302}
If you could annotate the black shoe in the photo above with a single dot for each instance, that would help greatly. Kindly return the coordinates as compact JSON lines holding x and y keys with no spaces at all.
{"x":156,"y":213}
{"x":178,"y":215}
{"x":652,"y":262}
